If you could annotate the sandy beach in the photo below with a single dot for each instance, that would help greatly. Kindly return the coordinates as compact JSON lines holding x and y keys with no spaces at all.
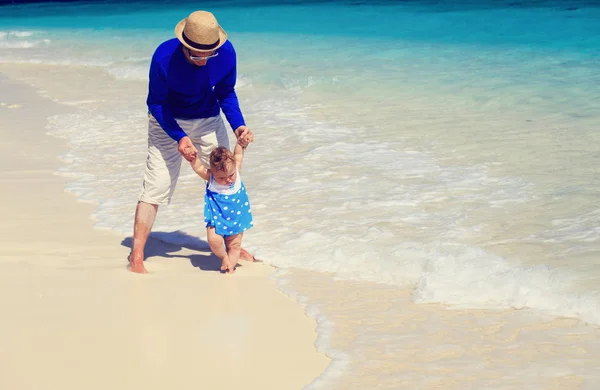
{"x":457,"y":281}
{"x":73,"y":317}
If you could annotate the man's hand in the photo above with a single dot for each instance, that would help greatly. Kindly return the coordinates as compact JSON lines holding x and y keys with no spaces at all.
{"x":187,"y":149}
{"x":244,"y":136}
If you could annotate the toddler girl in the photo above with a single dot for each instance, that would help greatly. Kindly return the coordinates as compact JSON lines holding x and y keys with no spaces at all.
{"x":227,"y":210}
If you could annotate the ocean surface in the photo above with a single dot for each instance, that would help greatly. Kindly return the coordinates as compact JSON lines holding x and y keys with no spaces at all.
{"x":449,"y":149}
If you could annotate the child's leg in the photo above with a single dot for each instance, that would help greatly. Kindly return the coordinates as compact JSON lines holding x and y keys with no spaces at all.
{"x":216,"y":246}
{"x":233,"y":245}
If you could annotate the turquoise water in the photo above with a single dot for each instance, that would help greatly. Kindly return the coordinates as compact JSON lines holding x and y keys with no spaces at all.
{"x":450,"y":148}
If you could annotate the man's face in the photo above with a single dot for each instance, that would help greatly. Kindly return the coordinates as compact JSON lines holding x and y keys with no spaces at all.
{"x":198,"y":58}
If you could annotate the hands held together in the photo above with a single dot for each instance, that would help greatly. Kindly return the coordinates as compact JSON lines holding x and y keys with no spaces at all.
{"x":189,"y":152}
{"x":187,"y":149}
{"x":244,"y":136}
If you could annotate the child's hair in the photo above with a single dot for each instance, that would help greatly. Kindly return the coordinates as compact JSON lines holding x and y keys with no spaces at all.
{"x":220,"y":158}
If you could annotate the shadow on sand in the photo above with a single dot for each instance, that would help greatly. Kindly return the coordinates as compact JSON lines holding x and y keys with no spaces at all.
{"x":167,"y":245}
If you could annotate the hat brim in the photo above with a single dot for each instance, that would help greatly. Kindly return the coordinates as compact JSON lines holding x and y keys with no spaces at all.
{"x":179,"y":34}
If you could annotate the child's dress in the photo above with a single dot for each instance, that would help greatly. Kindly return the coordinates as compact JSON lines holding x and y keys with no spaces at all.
{"x":226,"y":207}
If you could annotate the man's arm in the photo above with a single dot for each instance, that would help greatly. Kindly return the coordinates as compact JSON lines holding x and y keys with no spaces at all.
{"x":225,"y":92}
{"x":158,"y":92}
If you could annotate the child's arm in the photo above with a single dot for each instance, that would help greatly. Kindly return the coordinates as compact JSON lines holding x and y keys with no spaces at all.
{"x":200,"y":169}
{"x":238,"y":154}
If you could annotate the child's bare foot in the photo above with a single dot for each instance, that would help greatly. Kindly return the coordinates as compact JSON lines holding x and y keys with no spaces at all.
{"x":136,"y":264}
{"x":231,"y":268}
{"x":225,"y":264}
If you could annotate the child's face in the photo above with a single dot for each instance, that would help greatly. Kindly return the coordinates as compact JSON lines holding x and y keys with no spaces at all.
{"x":226,"y":177}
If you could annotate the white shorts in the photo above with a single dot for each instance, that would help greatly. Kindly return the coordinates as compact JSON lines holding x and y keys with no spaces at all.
{"x":164,"y":160}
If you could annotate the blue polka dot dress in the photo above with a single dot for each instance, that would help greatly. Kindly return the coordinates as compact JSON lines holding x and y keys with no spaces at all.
{"x":227,"y":208}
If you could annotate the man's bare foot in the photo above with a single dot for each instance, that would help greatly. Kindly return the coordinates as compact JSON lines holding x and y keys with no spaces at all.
{"x":136,"y":264}
{"x":245,"y":255}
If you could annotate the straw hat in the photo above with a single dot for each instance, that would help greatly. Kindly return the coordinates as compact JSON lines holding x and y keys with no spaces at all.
{"x":200,"y":32}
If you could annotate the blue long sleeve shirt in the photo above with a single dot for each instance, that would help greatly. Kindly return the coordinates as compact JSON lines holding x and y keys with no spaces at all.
{"x":178,"y":89}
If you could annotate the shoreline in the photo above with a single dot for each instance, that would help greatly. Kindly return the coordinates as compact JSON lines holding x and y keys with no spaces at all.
{"x":78,"y":318}
{"x":379,"y":338}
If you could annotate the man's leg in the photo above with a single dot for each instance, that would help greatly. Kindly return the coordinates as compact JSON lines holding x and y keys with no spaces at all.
{"x":207,"y":134}
{"x":162,"y":171}
{"x":145,"y":214}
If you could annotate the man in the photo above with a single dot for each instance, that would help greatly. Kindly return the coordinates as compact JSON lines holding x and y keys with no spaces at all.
{"x":192,"y":77}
